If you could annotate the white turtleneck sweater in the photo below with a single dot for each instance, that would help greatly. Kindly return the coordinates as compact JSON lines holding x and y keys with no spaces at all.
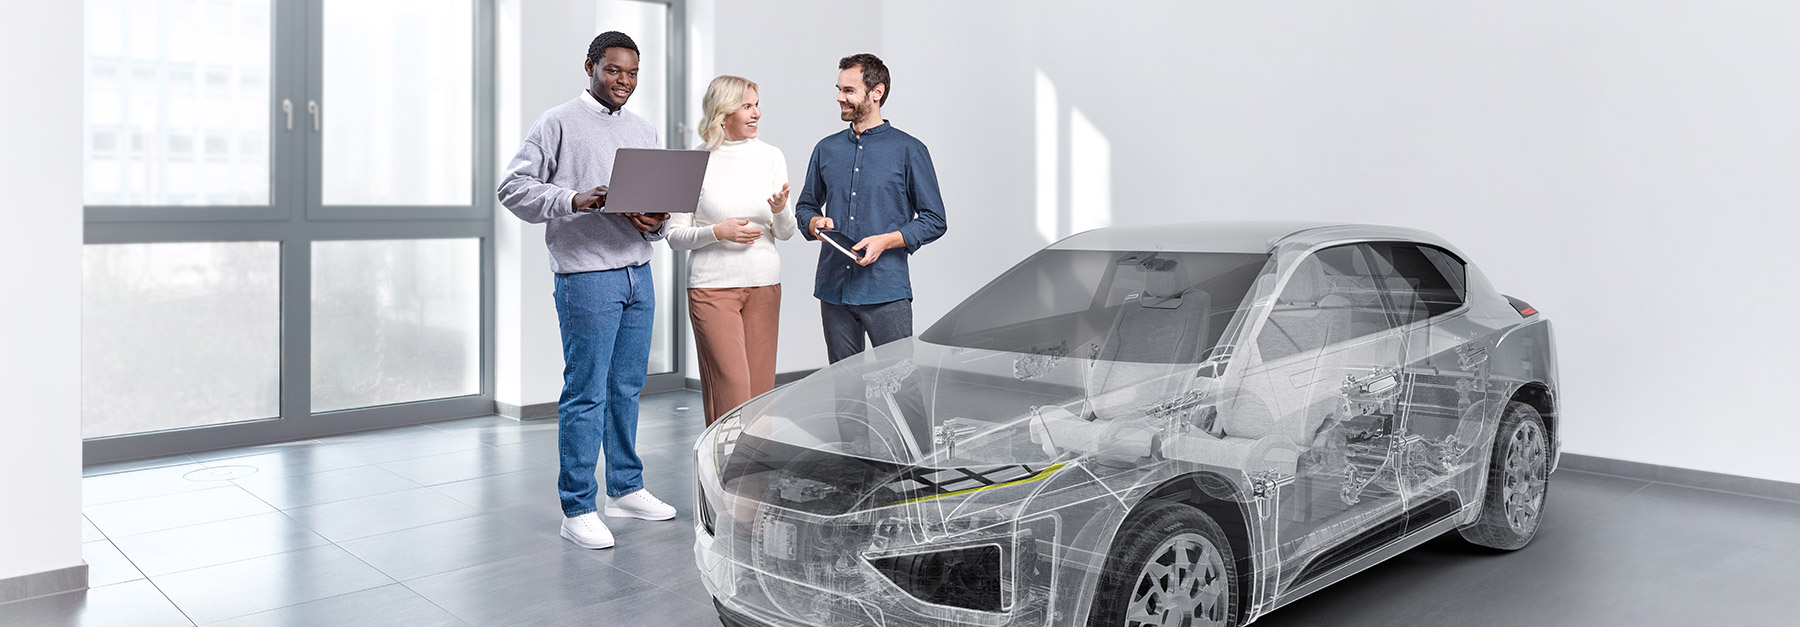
{"x":740,"y":178}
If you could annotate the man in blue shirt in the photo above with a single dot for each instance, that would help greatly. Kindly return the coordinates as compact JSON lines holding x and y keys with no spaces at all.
{"x":875,"y":184}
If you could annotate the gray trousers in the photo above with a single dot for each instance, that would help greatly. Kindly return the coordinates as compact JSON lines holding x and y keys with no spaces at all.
{"x":846,"y":325}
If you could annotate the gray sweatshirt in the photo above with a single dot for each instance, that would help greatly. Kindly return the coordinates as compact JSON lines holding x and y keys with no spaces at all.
{"x":570,"y":149}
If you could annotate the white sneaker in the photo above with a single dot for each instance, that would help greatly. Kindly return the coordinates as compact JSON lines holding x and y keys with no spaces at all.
{"x":639,"y":504}
{"x":587,"y":532}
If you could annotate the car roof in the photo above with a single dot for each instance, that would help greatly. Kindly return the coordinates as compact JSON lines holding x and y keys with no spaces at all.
{"x":1257,"y":236}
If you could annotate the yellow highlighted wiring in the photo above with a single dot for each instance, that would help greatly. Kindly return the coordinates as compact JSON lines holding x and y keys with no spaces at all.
{"x":1040,"y":475}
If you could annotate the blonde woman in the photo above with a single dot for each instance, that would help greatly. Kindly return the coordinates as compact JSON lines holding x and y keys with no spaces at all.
{"x":734,"y":273}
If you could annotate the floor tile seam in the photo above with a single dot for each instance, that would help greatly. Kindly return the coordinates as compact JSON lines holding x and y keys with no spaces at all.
{"x":391,"y":581}
{"x":208,"y":522}
{"x":140,"y":570}
{"x":1650,"y":482}
{"x":170,"y":600}
{"x":678,"y":593}
{"x":524,"y":458}
{"x":434,"y":488}
{"x":452,"y":498}
{"x":259,"y":479}
{"x":326,"y":542}
{"x":528,"y":553}
{"x":622,"y":571}
{"x":90,"y":523}
{"x":335,"y":541}
{"x":471,"y":620}
{"x":374,"y":462}
{"x":415,"y":486}
{"x":427,"y":599}
{"x":221,"y":482}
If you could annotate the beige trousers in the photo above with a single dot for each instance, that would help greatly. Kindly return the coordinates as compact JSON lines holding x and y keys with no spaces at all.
{"x":735,"y":337}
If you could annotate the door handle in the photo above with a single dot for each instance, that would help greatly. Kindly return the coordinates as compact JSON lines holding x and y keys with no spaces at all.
{"x":287,"y":107}
{"x":312,"y":106}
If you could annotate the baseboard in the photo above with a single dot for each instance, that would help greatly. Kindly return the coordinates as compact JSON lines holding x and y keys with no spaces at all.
{"x":1705,"y":480}
{"x":45,"y":583}
{"x":694,"y":384}
{"x":540,"y":411}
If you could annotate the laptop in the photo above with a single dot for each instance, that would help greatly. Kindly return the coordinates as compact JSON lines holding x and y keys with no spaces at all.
{"x":654,"y":180}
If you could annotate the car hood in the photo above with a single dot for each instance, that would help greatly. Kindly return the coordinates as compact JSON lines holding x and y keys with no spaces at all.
{"x":912,"y":403}
{"x":910,"y":421}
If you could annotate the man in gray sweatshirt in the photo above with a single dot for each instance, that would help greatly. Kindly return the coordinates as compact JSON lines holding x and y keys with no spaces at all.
{"x":604,"y":297}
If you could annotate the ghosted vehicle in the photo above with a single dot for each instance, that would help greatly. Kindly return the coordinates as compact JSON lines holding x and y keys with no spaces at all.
{"x":1186,"y":425}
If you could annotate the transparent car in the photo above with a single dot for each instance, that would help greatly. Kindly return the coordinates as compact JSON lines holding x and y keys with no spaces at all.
{"x":1187,"y":425}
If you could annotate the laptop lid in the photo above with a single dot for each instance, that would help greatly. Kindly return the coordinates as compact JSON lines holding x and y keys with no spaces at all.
{"x":655,"y":180}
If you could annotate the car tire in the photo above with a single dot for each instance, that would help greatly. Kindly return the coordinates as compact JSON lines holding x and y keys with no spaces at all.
{"x":1518,"y":480}
{"x":1169,"y":561}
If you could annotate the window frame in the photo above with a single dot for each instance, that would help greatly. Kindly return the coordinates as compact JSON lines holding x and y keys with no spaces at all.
{"x":1359,"y":248}
{"x":294,"y":220}
{"x":1462,"y":298}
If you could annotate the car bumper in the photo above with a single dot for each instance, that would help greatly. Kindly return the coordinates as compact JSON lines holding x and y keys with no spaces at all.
{"x":746,"y":595}
{"x":734,"y":618}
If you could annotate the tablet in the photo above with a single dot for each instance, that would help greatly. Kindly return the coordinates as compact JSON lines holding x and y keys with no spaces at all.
{"x":841,"y":242}
{"x":654,"y":180}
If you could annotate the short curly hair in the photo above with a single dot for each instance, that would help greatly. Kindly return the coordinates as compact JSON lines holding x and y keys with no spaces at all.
{"x":609,"y":39}
{"x":873,"y":70}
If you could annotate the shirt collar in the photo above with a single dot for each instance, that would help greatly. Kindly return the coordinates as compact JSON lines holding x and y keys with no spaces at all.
{"x":873,"y":129}
{"x":598,"y":107}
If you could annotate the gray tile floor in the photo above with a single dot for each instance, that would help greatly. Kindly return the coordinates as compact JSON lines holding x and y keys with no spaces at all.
{"x":455,"y":523}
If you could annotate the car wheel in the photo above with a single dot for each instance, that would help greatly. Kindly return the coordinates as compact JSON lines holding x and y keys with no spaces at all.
{"x":1518,"y":480}
{"x":1170,"y":566}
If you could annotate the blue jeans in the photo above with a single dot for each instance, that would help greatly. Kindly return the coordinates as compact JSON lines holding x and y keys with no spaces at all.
{"x":605,"y":319}
{"x":845,"y":326}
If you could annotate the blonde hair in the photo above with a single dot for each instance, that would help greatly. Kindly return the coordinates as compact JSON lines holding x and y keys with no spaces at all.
{"x":723,"y":96}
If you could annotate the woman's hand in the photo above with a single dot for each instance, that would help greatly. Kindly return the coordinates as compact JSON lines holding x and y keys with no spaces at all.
{"x":778,"y":200}
{"x":736,"y":231}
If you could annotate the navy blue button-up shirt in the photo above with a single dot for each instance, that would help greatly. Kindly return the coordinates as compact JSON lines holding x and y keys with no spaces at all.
{"x":877,"y":183}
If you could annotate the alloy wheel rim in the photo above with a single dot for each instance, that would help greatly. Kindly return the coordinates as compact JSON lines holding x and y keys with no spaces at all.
{"x":1181,"y":585}
{"x":1527,"y":464}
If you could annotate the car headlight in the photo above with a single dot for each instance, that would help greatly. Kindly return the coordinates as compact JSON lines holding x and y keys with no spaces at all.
{"x":967,"y":577}
{"x":724,"y":435}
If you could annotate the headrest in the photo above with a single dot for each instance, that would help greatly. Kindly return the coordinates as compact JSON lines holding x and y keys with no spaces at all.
{"x":1161,"y":280}
{"x":1306,"y":285}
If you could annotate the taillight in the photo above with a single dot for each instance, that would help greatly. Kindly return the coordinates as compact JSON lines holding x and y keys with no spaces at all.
{"x":1525,"y":309}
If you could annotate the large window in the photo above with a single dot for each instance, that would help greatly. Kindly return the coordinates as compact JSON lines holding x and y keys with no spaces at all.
{"x":288,"y":219}
{"x":178,"y":102}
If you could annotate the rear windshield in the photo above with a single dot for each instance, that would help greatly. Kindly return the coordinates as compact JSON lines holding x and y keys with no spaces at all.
{"x":1138,"y":306}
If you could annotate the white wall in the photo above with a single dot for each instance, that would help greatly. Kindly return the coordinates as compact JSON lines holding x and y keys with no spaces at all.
{"x":1629,"y":169}
{"x":40,"y":276}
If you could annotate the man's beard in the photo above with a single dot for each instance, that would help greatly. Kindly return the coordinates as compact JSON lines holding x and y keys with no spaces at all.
{"x":857,"y":111}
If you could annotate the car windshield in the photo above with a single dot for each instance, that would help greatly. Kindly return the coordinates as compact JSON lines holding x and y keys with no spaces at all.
{"x":1132,"y":306}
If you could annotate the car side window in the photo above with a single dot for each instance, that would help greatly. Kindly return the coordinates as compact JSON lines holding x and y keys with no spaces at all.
{"x":1421,"y":281}
{"x":1330,"y":297}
